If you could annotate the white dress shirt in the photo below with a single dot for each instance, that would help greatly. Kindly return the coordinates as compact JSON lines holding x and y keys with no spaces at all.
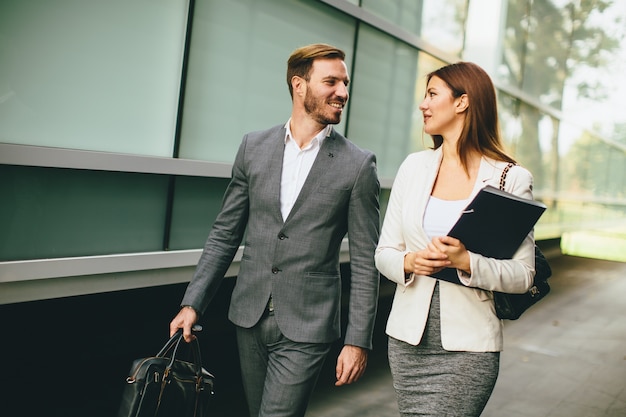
{"x":297,"y":164}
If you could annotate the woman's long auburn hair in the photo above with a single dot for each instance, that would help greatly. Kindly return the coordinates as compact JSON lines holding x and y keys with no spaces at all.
{"x":481,"y":130}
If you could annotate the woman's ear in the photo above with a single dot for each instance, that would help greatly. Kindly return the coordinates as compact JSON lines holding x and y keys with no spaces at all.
{"x":462,"y":103}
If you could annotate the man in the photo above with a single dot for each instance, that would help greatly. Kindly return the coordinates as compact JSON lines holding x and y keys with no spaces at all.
{"x":298,"y":188}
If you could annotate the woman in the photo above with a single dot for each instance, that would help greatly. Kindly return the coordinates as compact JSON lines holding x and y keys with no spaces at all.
{"x":445,"y":338}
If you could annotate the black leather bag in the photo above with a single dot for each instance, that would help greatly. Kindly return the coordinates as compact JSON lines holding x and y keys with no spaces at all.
{"x":165,"y":386}
{"x":511,"y":306}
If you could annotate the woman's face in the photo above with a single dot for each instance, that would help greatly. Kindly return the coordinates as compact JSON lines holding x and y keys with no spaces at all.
{"x":439,"y":108}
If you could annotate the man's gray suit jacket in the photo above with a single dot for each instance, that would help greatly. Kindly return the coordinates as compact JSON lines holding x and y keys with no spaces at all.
{"x":297,"y":260}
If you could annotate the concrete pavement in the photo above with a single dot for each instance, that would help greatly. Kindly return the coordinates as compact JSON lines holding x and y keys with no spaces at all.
{"x":565,"y":357}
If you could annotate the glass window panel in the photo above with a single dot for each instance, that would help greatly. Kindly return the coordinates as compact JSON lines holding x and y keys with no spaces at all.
{"x":383,"y":98}
{"x":580,"y":175}
{"x":406,"y":14}
{"x":591,"y":184}
{"x":593,"y":166}
{"x":443,"y":24}
{"x":594,"y":90}
{"x":565,"y":54}
{"x":387,"y":90}
{"x":546,"y":53}
{"x":529,"y":136}
{"x":483,"y":33}
{"x":520,"y":126}
{"x":51,"y":213}
{"x":514,"y":43}
{"x":238,"y":86}
{"x":440,"y":22}
{"x":95,"y":75}
{"x":197,"y":202}
{"x":568,"y":55}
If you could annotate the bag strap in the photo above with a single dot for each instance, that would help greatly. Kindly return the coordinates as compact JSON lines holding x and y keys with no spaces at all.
{"x":543,"y":265}
{"x":504,"y":172}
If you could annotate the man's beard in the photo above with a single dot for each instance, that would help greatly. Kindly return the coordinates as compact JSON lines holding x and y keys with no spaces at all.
{"x":313,"y":106}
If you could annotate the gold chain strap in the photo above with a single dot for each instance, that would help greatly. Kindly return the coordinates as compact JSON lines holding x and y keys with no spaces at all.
{"x":503,"y":176}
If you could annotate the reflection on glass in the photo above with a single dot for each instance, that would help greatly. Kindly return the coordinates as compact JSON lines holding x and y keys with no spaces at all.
{"x":93,"y":75}
{"x":382,"y":98}
{"x":560,"y":53}
{"x":55,"y":213}
{"x":443,"y":24}
{"x":239,"y":86}
{"x":439,"y":22}
{"x":580,"y":175}
{"x":387,"y":90}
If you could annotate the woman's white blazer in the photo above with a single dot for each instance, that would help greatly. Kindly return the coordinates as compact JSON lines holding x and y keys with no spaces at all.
{"x":468,"y":319}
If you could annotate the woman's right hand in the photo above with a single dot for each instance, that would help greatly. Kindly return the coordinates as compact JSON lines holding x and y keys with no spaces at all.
{"x":425,"y":262}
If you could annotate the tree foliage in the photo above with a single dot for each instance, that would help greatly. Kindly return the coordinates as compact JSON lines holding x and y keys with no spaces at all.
{"x":547,"y":47}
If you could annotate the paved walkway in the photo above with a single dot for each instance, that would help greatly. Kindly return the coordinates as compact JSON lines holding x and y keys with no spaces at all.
{"x":566,"y":357}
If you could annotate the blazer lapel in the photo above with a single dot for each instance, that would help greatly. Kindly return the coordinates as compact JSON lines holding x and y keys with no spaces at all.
{"x":431,"y":170}
{"x":486,"y":174}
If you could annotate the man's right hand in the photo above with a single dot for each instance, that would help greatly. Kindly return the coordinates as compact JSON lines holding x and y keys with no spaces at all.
{"x":185,"y":319}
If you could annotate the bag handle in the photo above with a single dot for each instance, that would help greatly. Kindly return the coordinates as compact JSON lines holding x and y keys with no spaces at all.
{"x":175,"y":339}
{"x":174,"y":342}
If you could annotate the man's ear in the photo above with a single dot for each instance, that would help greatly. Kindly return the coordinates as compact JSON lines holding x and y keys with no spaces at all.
{"x":462,"y":103}
{"x":298,"y":84}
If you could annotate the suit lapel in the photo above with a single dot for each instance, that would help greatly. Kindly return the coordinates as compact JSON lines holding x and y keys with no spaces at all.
{"x":275,"y":165}
{"x":323,"y":165}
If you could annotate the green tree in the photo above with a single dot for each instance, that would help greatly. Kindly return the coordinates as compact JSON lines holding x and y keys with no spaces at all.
{"x":544,"y":46}
{"x":598,"y":167}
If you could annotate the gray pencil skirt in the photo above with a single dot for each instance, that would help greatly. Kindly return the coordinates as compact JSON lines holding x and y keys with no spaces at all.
{"x":430,"y":381}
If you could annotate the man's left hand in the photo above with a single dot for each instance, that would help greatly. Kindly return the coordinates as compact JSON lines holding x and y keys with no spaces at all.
{"x":351,"y":364}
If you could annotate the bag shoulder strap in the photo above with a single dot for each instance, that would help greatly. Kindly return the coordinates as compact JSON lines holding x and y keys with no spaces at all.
{"x":504,"y":172}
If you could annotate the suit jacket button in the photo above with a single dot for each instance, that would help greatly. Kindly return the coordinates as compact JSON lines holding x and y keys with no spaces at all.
{"x":282,"y":236}
{"x":275,"y":270}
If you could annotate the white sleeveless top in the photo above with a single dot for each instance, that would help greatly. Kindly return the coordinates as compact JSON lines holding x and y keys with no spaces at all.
{"x":440,"y":215}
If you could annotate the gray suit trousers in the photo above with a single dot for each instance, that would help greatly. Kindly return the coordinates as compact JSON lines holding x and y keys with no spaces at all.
{"x":278,"y":374}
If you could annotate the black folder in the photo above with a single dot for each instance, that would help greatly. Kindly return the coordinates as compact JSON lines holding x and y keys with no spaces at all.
{"x":494,"y":224}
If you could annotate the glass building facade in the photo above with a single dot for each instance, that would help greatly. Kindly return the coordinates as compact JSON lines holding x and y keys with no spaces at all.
{"x":119,"y":120}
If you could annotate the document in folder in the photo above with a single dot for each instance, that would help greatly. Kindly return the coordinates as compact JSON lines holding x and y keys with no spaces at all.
{"x":494,"y":224}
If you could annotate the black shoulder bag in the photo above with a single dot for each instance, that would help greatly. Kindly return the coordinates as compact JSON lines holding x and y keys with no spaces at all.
{"x":511,"y":306}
